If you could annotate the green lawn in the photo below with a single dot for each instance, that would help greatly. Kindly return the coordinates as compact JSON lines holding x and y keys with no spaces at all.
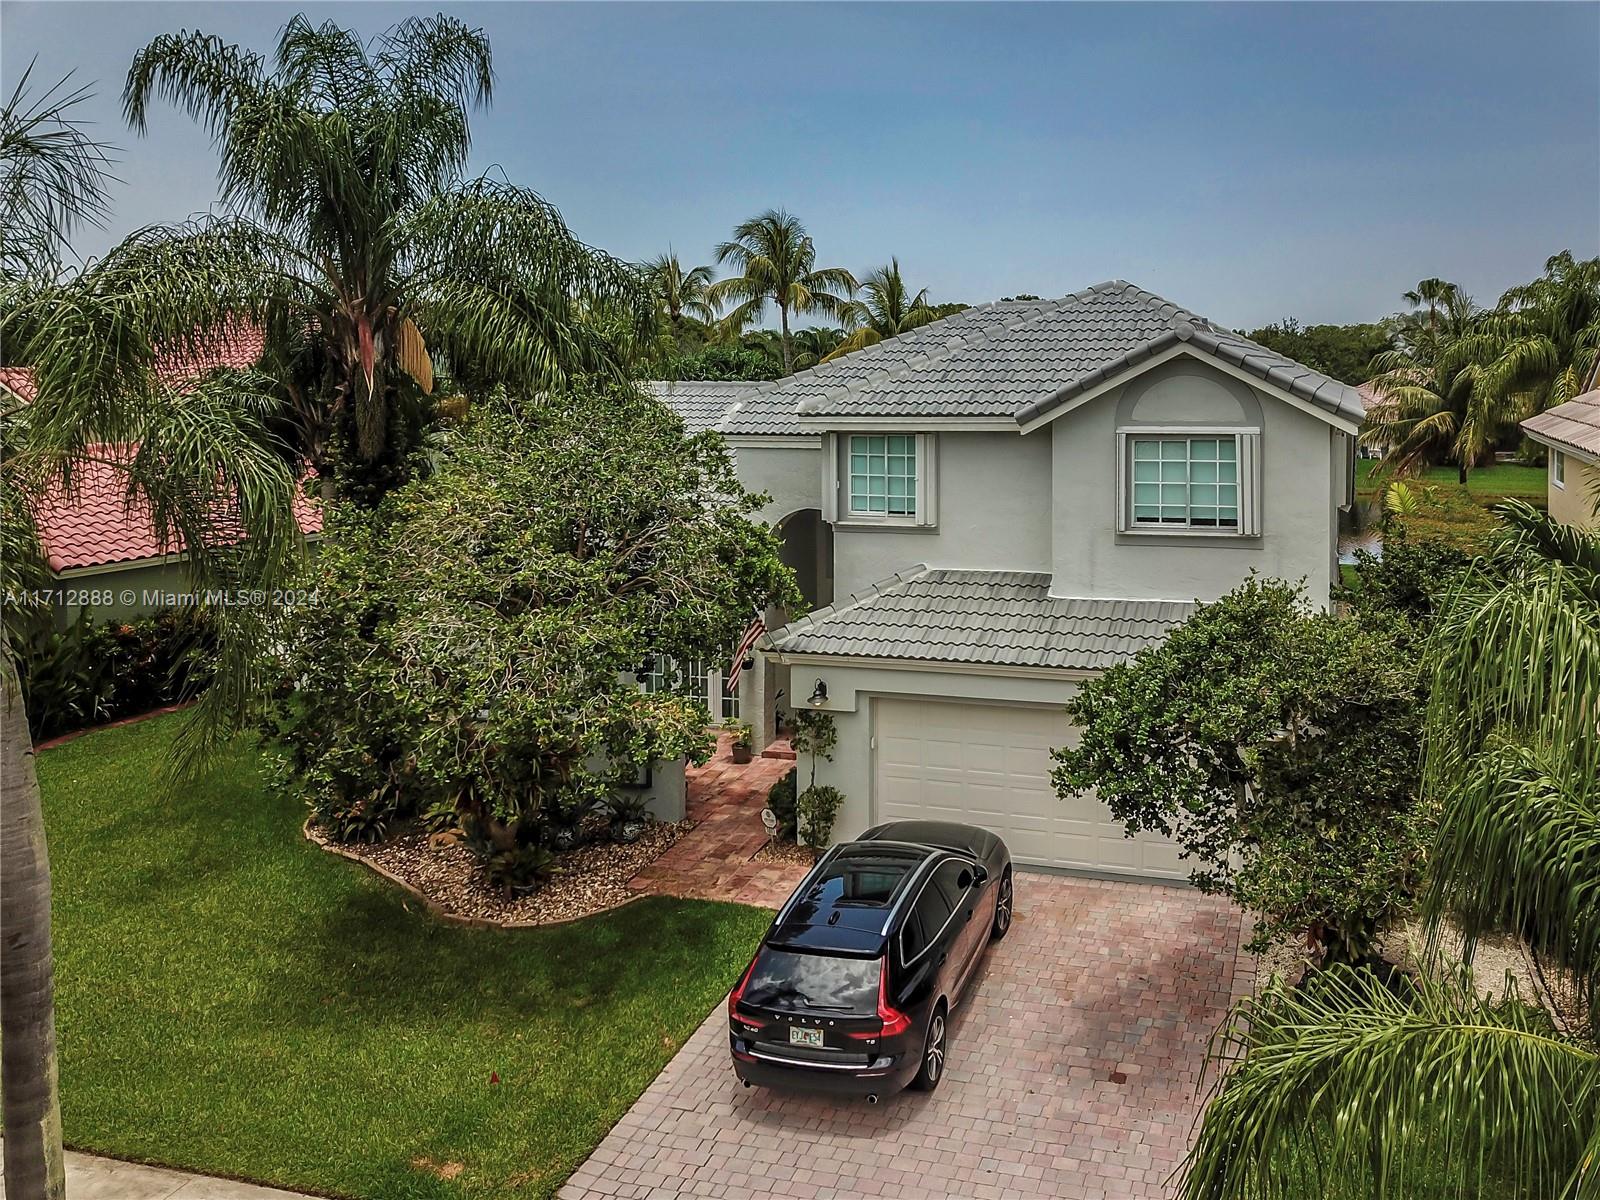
{"x":232,"y":1000}
{"x":1485,"y":483}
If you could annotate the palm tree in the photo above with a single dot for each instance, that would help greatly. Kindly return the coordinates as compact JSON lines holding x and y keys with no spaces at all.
{"x":1542,"y":344}
{"x":776,"y":260}
{"x":887,"y":310}
{"x":206,"y":470}
{"x":1433,"y":406}
{"x":815,"y":344}
{"x":678,"y":293}
{"x":351,"y":236}
{"x":1347,"y":1077}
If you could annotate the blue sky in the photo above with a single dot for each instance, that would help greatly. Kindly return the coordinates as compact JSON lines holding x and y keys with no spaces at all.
{"x":1247,"y":161}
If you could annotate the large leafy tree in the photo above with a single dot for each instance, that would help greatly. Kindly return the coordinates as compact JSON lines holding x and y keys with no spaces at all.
{"x":885,"y":309}
{"x":1277,"y":745}
{"x":479,"y":631}
{"x":1433,"y":1086}
{"x":351,"y":235}
{"x":776,"y":262}
{"x":1343,"y":351}
{"x":206,"y":471}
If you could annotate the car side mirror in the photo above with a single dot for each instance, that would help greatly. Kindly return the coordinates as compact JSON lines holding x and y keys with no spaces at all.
{"x":980,"y":875}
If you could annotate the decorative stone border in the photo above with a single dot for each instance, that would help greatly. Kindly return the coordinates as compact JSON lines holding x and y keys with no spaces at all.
{"x":317,"y":838}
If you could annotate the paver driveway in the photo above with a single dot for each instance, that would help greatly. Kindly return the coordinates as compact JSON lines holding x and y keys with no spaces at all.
{"x":1073,"y":1069}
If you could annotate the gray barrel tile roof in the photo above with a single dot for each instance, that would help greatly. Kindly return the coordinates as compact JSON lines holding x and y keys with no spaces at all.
{"x":1017,"y":361}
{"x":997,"y":618}
{"x":1575,"y":424}
{"x":700,"y":402}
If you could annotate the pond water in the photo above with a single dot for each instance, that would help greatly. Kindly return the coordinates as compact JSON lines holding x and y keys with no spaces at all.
{"x":1361,"y":529}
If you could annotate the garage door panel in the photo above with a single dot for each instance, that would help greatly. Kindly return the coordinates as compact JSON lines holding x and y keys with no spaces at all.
{"x":989,"y":765}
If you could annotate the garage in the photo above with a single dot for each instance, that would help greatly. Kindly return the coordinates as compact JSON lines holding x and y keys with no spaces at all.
{"x":989,"y":765}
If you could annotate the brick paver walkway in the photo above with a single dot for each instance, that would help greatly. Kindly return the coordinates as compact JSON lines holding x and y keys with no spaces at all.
{"x":1073,"y":1072}
{"x":713,"y":860}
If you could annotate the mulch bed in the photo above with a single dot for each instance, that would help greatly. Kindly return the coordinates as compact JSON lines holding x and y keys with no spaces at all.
{"x":784,"y":852}
{"x":590,"y":879}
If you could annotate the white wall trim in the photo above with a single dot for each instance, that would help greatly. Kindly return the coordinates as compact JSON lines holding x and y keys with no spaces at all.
{"x":785,"y":441}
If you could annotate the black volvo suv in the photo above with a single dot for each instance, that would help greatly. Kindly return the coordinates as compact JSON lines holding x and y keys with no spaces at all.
{"x":852,"y":987}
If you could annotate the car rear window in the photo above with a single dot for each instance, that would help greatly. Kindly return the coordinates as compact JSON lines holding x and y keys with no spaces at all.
{"x":797,"y":982}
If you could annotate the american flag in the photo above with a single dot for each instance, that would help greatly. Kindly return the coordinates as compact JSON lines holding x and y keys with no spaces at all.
{"x":747,"y":643}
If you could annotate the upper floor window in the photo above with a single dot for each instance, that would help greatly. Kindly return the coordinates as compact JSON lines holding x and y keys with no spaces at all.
{"x":1189,"y":481}
{"x":1186,"y":482}
{"x":883,"y":475}
{"x":1558,"y":468}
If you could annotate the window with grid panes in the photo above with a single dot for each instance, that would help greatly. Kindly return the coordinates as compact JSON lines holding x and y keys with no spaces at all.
{"x":1186,"y":482}
{"x":883,"y":475}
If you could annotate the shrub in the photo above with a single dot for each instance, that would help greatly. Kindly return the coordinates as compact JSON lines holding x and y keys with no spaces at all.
{"x":629,"y":814}
{"x":781,"y":800}
{"x":815,"y":811}
{"x":88,"y":673}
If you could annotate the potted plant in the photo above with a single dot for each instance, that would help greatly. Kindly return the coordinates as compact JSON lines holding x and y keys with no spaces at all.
{"x":743,"y":740}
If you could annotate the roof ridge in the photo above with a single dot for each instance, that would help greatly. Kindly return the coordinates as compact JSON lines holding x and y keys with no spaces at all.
{"x":1035,"y":310}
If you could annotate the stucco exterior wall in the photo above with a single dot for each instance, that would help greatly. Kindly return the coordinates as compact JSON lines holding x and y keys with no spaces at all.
{"x":791,"y":475}
{"x":1573,"y":504}
{"x":1301,"y":459}
{"x":993,"y":514}
{"x":851,"y":691}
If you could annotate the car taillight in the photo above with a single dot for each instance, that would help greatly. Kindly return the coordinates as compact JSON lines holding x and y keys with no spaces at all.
{"x":735,"y":996}
{"x":894,"y":1021}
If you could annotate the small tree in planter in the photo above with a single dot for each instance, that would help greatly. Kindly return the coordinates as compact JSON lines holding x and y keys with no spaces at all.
{"x":815,"y":809}
{"x":743,"y":740}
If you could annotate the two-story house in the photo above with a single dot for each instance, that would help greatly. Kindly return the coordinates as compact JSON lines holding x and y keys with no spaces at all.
{"x":988,"y":510}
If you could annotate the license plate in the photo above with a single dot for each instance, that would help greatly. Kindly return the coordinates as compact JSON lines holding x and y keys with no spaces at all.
{"x":804,"y":1037}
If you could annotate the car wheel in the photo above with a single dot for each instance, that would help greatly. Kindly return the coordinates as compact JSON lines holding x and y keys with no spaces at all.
{"x":1002,"y":908}
{"x":933,"y":1053}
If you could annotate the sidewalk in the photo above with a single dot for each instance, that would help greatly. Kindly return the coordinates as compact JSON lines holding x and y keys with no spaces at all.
{"x":92,"y":1178}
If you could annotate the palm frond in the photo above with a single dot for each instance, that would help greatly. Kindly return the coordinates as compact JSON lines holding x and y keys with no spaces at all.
{"x":1343,"y":1078}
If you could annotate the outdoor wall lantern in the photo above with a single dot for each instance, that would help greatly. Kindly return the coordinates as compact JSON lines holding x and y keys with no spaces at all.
{"x":819,"y":694}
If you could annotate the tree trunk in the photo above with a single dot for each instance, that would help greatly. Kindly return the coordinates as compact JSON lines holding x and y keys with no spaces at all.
{"x":1461,"y":472}
{"x":35,"y":1169}
{"x":788,"y":352}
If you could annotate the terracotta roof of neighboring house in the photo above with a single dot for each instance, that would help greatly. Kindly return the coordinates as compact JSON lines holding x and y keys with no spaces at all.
{"x":1574,"y":425}
{"x":998,"y":618}
{"x":1020,"y":361}
{"x":95,"y":527}
{"x":19,"y":382}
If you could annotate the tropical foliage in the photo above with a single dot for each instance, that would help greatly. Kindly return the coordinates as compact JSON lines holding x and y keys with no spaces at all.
{"x":1431,"y":1083}
{"x":480,"y":630}
{"x":1344,"y":352}
{"x":207,"y":471}
{"x":351,"y":237}
{"x":776,"y":262}
{"x":886,"y":309}
{"x":1277,"y":744}
{"x":1459,"y":379}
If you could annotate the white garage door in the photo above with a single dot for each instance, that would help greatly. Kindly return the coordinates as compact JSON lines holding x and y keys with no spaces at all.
{"x":989,"y":765}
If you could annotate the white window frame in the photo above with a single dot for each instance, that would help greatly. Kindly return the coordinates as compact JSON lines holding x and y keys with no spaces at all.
{"x":838,"y":489}
{"x":1558,"y":468}
{"x":1247,"y":456}
{"x":705,"y":685}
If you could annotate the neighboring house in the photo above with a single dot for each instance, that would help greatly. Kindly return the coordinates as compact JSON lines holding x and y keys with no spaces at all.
{"x":103,"y":554}
{"x":992,"y":508}
{"x":1571,"y":434}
